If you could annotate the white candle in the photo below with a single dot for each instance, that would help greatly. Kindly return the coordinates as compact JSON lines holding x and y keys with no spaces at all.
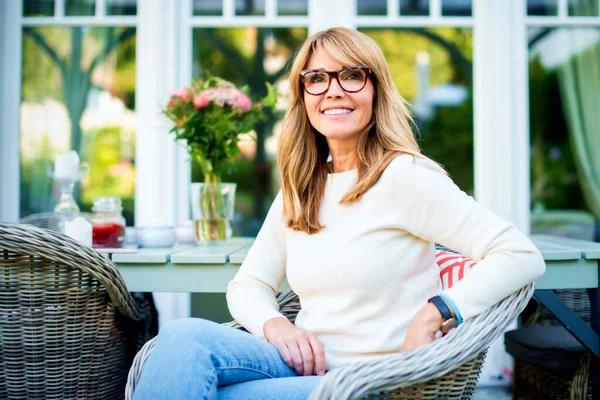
{"x":66,"y":165}
{"x":79,"y":229}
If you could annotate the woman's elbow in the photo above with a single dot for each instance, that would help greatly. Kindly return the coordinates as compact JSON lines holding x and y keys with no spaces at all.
{"x":536,"y":264}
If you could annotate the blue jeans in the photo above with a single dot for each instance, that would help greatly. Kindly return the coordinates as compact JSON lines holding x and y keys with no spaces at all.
{"x":199,"y":359}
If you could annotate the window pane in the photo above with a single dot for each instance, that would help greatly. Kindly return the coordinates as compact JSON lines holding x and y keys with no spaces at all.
{"x":121,"y":7}
{"x":542,"y":7}
{"x":439,"y":86}
{"x":414,"y":7}
{"x":292,"y":7}
{"x":80,"y":7}
{"x":249,"y":7}
{"x":208,"y":7}
{"x":457,"y":8}
{"x":250,"y":56}
{"x":564,"y":86}
{"x":78,"y":95}
{"x":371,"y":7}
{"x":583,"y":8}
{"x":38,"y":8}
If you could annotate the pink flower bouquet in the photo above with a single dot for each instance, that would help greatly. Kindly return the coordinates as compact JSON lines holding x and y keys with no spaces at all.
{"x":210,"y":115}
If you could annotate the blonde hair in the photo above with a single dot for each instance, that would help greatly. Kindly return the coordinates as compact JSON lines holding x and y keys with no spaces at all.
{"x":302,"y":152}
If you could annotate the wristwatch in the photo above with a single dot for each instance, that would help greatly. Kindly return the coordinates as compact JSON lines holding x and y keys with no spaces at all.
{"x":448,"y":315}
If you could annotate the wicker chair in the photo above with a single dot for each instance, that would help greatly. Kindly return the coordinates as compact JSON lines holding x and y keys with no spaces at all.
{"x":68,"y":327}
{"x":570,"y":379}
{"x":448,"y":368}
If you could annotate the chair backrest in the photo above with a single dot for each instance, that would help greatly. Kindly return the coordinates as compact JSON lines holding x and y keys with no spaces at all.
{"x":67,"y":323}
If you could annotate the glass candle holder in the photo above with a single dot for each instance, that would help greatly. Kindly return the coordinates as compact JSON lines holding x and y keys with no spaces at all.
{"x":67,"y":209}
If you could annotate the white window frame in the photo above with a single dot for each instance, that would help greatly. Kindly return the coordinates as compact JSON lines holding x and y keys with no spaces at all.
{"x":10,"y":100}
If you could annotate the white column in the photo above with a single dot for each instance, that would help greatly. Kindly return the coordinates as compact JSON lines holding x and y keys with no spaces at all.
{"x":10,"y":100}
{"x":502,"y":109}
{"x":183,"y":55}
{"x":157,"y":156}
{"x":325,"y":14}
{"x":501,"y":128}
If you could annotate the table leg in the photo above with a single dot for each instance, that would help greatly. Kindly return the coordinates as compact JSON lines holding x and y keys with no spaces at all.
{"x":571,"y":321}
{"x":594,"y":295}
{"x":587,"y":336}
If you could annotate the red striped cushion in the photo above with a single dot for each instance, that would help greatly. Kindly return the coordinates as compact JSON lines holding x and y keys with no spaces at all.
{"x":453,"y":267}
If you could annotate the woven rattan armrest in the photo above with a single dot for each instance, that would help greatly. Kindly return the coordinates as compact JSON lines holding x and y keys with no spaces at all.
{"x":413,"y":368}
{"x":38,"y":242}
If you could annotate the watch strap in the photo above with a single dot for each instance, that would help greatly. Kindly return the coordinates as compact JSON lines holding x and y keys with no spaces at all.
{"x":442,"y":306}
{"x":452,"y":305}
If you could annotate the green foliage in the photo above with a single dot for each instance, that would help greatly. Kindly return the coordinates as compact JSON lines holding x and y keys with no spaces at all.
{"x":554,"y":180}
{"x":35,"y":185}
{"x":448,"y":139}
{"x":210,"y":115}
{"x":110,"y":173}
{"x":448,"y":136}
{"x":401,"y":47}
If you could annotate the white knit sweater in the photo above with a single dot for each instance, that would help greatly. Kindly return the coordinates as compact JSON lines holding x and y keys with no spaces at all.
{"x":366,"y":274}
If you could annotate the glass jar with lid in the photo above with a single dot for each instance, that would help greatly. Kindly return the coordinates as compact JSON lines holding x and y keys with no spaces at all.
{"x":108,"y":224}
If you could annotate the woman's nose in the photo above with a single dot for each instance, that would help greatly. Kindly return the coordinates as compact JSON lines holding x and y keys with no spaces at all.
{"x":335,"y":90}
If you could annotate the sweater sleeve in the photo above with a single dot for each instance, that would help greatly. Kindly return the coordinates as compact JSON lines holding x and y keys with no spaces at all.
{"x":432,"y":207}
{"x":251,"y":294}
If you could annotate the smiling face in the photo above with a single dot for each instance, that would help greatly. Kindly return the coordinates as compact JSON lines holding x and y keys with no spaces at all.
{"x":336,"y":114}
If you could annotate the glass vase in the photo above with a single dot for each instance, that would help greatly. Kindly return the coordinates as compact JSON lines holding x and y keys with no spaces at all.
{"x":212,"y":209}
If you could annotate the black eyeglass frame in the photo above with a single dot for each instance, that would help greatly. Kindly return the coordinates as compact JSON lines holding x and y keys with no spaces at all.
{"x":335,"y":74}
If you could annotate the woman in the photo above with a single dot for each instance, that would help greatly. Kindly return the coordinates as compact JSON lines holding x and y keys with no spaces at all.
{"x":353,"y":230}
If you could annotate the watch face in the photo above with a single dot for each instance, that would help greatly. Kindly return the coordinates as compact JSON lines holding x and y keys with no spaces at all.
{"x":449,"y":324}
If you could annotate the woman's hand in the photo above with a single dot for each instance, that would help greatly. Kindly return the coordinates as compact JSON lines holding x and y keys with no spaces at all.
{"x":422,"y":328}
{"x":300,"y":349}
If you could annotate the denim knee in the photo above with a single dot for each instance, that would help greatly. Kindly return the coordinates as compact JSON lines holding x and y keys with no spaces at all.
{"x":187,"y":328}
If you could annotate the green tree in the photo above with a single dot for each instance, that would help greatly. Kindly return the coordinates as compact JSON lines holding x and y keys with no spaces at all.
{"x":59,"y":63}
{"x":76,"y":76}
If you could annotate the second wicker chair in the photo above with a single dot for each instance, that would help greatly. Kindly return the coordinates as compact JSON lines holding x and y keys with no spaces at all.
{"x":68,"y":327}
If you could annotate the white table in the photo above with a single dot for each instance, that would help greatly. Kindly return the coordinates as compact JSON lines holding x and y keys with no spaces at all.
{"x":192,"y":269}
{"x":570,"y":264}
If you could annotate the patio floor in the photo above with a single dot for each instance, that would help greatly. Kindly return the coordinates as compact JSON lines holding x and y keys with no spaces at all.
{"x":493,"y":393}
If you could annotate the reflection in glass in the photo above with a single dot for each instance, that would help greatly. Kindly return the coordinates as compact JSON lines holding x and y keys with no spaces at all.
{"x":583,"y":8}
{"x":208,"y":7}
{"x":121,"y":7}
{"x":38,"y":8}
{"x":78,"y":89}
{"x":438,"y":84}
{"x":457,"y":8}
{"x":292,"y":7}
{"x":414,"y":7}
{"x":564,"y":96}
{"x":77,"y":8}
{"x":542,"y":7}
{"x":250,"y":56}
{"x":249,"y":7}
{"x":371,"y":7}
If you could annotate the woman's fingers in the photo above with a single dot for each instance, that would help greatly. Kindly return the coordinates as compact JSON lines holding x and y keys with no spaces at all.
{"x":285,"y":354}
{"x":308,"y":359}
{"x":296,"y":356}
{"x":300,"y":349}
{"x":319,"y":355}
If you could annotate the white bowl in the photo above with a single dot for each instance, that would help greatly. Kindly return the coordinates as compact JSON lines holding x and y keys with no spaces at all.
{"x":156,"y":236}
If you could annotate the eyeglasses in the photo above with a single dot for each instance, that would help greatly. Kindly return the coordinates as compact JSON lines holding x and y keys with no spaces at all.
{"x":351,"y":79}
